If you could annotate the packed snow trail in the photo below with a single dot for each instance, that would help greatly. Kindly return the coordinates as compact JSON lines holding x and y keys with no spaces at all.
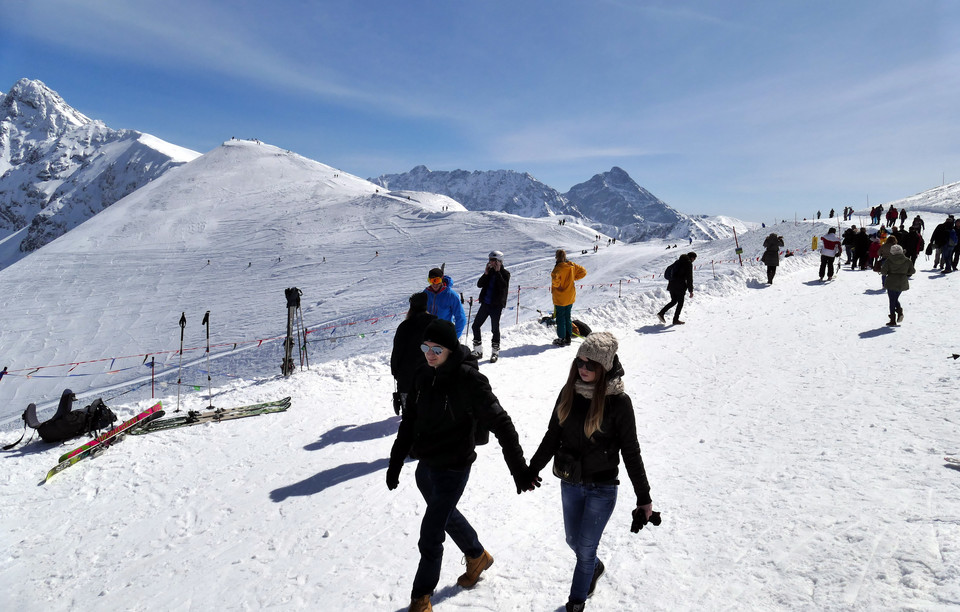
{"x":794,"y":445}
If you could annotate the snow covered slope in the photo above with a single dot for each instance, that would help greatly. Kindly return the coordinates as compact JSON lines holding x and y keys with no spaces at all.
{"x":59,"y":167}
{"x":794,"y":444}
{"x":228,"y":233}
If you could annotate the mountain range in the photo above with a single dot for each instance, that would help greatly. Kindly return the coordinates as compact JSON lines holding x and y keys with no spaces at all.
{"x":611,"y":202}
{"x":58,"y":167}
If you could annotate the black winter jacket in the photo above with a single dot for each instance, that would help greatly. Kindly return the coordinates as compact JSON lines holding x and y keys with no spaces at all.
{"x":682,"y":277}
{"x":600,"y":454}
{"x":501,"y":286}
{"x":407,"y":357}
{"x":440,"y":420}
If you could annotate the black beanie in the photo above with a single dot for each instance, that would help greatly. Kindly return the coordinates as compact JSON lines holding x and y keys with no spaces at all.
{"x":443,"y":333}
{"x":435,"y":273}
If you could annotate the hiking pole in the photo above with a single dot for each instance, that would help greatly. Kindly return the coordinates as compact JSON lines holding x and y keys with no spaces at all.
{"x":206,"y":322}
{"x":469,"y":312}
{"x":183,"y":324}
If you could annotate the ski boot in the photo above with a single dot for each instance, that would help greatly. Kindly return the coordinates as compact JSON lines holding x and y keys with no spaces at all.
{"x":494,"y":352}
{"x":477,"y":350}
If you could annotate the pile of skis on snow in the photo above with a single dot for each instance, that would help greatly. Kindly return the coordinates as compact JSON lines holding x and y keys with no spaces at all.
{"x":92,"y":419}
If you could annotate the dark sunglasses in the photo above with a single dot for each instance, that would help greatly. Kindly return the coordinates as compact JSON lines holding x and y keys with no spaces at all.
{"x":585,"y":364}
{"x":437,"y":350}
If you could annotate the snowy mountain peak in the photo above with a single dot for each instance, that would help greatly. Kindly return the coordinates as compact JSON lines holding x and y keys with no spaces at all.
{"x":58,"y":167}
{"x":34,"y":106}
{"x":495,"y":190}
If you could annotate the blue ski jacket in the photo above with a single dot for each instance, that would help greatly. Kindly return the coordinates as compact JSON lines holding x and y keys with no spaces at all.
{"x":445,"y":304}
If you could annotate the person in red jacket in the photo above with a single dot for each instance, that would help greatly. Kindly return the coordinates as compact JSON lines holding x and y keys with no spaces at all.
{"x":830,"y":247}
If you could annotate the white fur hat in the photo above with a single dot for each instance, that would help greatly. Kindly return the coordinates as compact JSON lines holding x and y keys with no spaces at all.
{"x":896,"y":250}
{"x":600,"y":347}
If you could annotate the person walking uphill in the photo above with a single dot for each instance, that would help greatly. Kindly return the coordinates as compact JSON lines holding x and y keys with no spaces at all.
{"x":443,"y":301}
{"x":830,"y":247}
{"x":591,"y":426}
{"x":898,"y":268}
{"x":771,"y":256}
{"x":452,"y":401}
{"x":679,"y":282}
{"x":564,"y":276}
{"x":494,"y":286}
{"x":406,"y":357}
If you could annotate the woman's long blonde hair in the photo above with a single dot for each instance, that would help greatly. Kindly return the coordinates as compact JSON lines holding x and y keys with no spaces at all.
{"x":594,"y":418}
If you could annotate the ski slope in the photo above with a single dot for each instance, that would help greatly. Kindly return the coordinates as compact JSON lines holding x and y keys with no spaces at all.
{"x":794,"y":443}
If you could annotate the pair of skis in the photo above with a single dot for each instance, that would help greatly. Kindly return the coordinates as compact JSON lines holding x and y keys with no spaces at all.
{"x":104,"y":440}
{"x":150,"y":421}
{"x":214,"y":415}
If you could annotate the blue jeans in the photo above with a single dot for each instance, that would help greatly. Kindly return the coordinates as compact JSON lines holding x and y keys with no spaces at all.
{"x":586,"y":510}
{"x":894,"y":297}
{"x":946,"y":258}
{"x":441,"y":489}
{"x":564,"y":321}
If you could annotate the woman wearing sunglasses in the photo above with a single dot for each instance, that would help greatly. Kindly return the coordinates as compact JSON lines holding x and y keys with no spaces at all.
{"x":452,"y":403}
{"x":591,"y":425}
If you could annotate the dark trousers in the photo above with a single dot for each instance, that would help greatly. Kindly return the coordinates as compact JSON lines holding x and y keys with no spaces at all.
{"x":676,"y":299}
{"x":826,"y":263}
{"x":564,"y":320}
{"x":493,"y":312}
{"x":771,"y":272}
{"x":441,"y":489}
{"x":894,"y":297}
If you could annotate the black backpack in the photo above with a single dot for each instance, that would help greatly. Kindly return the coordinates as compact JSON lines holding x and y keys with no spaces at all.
{"x":76,"y":423}
{"x":67,"y":423}
{"x":668,"y":273}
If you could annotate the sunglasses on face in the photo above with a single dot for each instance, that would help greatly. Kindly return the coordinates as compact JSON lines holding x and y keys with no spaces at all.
{"x":437,"y":350}
{"x":585,"y":364}
{"x":435,"y":280}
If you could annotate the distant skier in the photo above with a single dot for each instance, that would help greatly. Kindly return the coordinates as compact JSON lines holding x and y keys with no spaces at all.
{"x":680,"y":282}
{"x":443,"y":302}
{"x":829,"y":249}
{"x":771,"y":256}
{"x":494,"y":285}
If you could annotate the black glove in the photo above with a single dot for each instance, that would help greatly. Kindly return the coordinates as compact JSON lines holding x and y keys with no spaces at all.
{"x":640,"y":519}
{"x":393,"y":476}
{"x":397,"y":402}
{"x":526,"y":480}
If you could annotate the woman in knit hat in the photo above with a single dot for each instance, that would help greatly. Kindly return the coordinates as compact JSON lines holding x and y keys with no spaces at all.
{"x":591,"y":426}
{"x":898,"y":268}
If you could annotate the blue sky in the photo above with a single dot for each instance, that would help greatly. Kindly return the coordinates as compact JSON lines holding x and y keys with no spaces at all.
{"x":751,"y":109}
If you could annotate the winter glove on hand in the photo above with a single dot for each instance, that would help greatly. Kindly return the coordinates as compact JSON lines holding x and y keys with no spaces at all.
{"x":393,"y":476}
{"x":640,"y":519}
{"x":526,"y":480}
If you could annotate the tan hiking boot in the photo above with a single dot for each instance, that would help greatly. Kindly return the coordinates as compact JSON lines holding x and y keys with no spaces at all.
{"x":475,"y":567}
{"x":421,"y":604}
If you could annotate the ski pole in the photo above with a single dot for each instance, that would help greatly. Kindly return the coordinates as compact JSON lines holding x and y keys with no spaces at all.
{"x":303,"y":334}
{"x":206,"y":322}
{"x":183,"y":324}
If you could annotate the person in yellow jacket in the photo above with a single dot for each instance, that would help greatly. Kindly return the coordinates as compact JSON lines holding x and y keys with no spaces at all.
{"x":565,"y":274}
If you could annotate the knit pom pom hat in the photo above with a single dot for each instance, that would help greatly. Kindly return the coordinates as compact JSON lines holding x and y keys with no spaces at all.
{"x":600,"y":347}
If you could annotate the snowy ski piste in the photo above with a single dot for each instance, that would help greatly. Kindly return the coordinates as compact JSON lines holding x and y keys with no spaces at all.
{"x":794,"y":444}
